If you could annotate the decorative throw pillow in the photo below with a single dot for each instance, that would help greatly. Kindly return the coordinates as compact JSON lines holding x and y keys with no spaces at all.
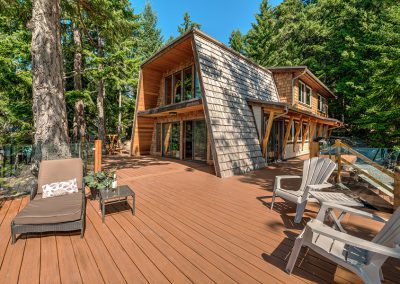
{"x":59,"y":188}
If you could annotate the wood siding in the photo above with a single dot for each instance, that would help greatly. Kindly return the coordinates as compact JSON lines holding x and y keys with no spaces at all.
{"x":283,"y":81}
{"x":228,"y":80}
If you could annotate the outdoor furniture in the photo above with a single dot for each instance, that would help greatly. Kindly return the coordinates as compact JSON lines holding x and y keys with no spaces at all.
{"x":316,"y":172}
{"x":118,"y":195}
{"x":336,"y":198}
{"x":365,"y":258}
{"x":61,"y":213}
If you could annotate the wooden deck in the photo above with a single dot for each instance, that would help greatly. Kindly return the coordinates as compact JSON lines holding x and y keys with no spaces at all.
{"x":190,"y":226}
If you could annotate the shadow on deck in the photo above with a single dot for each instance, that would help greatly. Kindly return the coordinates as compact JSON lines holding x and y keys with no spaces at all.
{"x":190,"y":226}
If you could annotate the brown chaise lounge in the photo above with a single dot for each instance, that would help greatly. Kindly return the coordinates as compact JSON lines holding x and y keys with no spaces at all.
{"x":61,"y":213}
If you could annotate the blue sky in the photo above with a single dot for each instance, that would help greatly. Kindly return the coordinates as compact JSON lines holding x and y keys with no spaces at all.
{"x":217,"y":17}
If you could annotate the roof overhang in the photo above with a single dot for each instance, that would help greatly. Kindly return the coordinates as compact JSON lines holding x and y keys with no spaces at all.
{"x":304,"y":73}
{"x":292,"y":111}
{"x":174,"y":109}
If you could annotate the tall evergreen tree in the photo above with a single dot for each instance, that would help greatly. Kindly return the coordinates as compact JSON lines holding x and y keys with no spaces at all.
{"x":150,"y":36}
{"x":49,"y":107}
{"x":236,"y":41}
{"x":258,"y":40}
{"x":187,"y":24}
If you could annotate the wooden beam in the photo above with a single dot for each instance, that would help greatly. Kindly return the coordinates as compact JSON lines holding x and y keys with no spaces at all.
{"x":181,"y":142}
{"x":303,"y":139}
{"x":312,"y":132}
{"x":321,"y":127}
{"x":267,"y":132}
{"x":296,"y":134}
{"x":339,"y":161}
{"x":330,"y":133}
{"x":326,"y":132}
{"x":166,"y":138}
{"x":97,"y":155}
{"x":287,"y":133}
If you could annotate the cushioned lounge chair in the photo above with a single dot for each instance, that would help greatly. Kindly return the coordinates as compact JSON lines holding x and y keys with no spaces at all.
{"x":61,"y":213}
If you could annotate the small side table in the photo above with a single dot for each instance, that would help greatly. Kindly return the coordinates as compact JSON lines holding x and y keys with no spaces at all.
{"x":117,"y":195}
{"x":337,"y":198}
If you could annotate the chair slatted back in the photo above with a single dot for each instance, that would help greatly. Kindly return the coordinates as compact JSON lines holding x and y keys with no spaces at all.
{"x":316,"y":171}
{"x":390,"y":233}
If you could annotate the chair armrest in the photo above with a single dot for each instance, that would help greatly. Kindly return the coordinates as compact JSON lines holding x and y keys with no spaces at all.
{"x":328,"y":205}
{"x":319,"y":186}
{"x":279,"y":178}
{"x":319,"y":228}
{"x":314,"y":187}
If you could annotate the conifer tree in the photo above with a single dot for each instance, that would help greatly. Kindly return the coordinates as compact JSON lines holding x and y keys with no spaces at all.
{"x":236,"y":41}
{"x":187,"y":24}
{"x":150,"y":36}
{"x":258,"y":40}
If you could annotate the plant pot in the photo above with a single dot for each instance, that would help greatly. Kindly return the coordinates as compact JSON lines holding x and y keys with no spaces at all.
{"x":94,"y":193}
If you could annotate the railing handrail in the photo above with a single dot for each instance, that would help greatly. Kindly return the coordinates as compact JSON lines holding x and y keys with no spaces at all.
{"x":339,"y":143}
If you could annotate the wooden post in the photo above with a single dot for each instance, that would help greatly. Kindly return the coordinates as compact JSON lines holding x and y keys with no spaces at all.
{"x":97,"y":155}
{"x":314,"y":149}
{"x":267,"y":132}
{"x":296,"y":133}
{"x":396,"y":191}
{"x":339,"y":160}
{"x":287,"y":133}
{"x":303,"y":139}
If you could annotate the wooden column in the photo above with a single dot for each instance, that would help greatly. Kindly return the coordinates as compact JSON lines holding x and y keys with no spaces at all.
{"x":297,"y":132}
{"x":396,"y":191}
{"x":330,"y":133}
{"x":267,"y":132}
{"x":303,"y":139}
{"x":314,"y":149}
{"x":97,"y":155}
{"x":287,"y":133}
{"x":339,"y":160}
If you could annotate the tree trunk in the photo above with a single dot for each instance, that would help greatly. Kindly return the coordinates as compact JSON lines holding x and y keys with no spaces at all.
{"x":49,"y":107}
{"x":119,"y":114}
{"x":101,"y":91}
{"x":79,"y":129}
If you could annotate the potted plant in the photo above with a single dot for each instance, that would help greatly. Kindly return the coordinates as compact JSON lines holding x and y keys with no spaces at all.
{"x":97,"y":181}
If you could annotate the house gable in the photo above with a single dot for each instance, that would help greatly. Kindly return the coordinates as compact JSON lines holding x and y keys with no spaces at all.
{"x":228,"y":81}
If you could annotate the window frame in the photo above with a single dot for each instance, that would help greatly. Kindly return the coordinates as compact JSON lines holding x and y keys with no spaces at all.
{"x":195,"y":76}
{"x":322,"y":100}
{"x":303,"y":94}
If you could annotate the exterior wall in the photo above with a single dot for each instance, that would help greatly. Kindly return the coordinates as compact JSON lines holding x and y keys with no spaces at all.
{"x":299,"y":150}
{"x":314,"y":101}
{"x":283,"y":83}
{"x":228,"y":80}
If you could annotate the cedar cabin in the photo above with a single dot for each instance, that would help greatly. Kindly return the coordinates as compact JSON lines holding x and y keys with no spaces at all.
{"x":200,"y":100}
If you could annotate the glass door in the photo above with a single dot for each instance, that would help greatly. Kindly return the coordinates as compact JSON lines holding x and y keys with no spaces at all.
{"x":189,"y":140}
{"x":196,"y":140}
{"x":200,"y":140}
{"x":171,"y":140}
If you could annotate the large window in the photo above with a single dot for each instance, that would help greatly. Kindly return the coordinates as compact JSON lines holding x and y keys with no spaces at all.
{"x":321,"y":103}
{"x":305,"y":93}
{"x":171,"y":139}
{"x":182,"y":86}
{"x":168,"y":90}
{"x":177,"y":87}
{"x":188,"y":84}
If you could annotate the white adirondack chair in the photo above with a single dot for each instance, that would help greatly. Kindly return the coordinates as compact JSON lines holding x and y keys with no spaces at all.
{"x":316,"y":172}
{"x":365,"y":258}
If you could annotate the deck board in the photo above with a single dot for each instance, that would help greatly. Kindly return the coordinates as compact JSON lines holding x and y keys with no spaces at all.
{"x":190,"y":226}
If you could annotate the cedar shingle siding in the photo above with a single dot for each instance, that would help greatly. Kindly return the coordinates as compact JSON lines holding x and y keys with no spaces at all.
{"x":228,"y":80}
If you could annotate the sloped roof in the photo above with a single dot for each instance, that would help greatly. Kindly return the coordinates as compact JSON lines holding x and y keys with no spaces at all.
{"x":228,"y":79}
{"x":307,"y":72}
